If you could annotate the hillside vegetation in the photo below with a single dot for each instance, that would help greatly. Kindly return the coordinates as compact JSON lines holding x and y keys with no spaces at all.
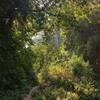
{"x":50,"y":50}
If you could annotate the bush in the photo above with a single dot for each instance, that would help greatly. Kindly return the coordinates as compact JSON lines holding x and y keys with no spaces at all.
{"x":79,"y":67}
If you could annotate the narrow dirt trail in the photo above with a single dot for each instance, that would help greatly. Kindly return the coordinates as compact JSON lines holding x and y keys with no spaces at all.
{"x":35,"y":90}
{"x":32,"y":91}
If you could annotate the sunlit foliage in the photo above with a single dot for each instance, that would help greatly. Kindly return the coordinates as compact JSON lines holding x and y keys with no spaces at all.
{"x":64,"y":63}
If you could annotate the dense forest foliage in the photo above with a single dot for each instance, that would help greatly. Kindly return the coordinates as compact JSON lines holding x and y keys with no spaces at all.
{"x":49,"y":50}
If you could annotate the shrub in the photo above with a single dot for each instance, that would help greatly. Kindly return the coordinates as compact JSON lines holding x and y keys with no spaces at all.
{"x":79,"y":67}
